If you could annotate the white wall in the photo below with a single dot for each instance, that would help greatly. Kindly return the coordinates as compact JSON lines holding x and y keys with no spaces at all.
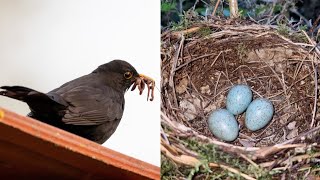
{"x":45,"y":43}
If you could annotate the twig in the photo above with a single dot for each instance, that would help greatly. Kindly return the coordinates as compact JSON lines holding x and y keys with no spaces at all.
{"x":314,"y":25}
{"x":299,"y":80}
{"x":315,"y":94}
{"x":234,"y":12}
{"x":249,"y":160}
{"x":245,"y":66}
{"x":271,"y":11}
{"x":226,"y":69}
{"x":313,"y":43}
{"x":216,"y":7}
{"x":296,"y":72}
{"x":256,"y":92}
{"x":216,"y":85}
{"x":216,"y":58}
{"x":233,"y":170}
{"x":182,"y":159}
{"x":299,"y":158}
{"x":295,"y":11}
{"x":164,"y":136}
{"x":194,"y":59}
{"x":174,"y":64}
{"x":266,"y":151}
{"x":187,"y":31}
{"x":301,"y":135}
{"x":194,"y":5}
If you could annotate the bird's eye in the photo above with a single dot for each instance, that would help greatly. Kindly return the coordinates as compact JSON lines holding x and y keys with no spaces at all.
{"x":127,"y":75}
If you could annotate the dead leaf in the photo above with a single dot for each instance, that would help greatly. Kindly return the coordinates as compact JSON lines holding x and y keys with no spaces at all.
{"x":292,"y":134}
{"x":247,"y":143}
{"x":189,"y":109}
{"x":205,"y":89}
{"x":182,"y":86}
{"x":292,"y":125}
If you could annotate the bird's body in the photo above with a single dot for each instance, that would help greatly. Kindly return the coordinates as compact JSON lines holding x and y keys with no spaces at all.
{"x":90,"y":106}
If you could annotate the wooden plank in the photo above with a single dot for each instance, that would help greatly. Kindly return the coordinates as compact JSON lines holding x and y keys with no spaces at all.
{"x":29,"y":148}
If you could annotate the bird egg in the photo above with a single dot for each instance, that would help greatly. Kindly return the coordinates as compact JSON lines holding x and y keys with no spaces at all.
{"x":238,"y":99}
{"x":223,"y":125}
{"x":258,"y":114}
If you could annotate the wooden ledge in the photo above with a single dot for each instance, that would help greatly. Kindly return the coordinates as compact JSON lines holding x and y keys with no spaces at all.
{"x":32,"y":149}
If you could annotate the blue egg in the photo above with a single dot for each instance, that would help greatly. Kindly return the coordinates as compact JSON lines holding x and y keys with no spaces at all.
{"x":223,"y":125}
{"x":259,"y":114}
{"x":238,"y":99}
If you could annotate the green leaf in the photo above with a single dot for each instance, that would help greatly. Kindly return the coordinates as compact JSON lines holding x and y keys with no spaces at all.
{"x":201,"y":10}
{"x":166,"y":7}
{"x":277,"y":8}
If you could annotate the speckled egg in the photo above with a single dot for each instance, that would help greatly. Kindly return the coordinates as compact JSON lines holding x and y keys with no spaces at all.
{"x":258,"y":114}
{"x":238,"y":99}
{"x":223,"y":125}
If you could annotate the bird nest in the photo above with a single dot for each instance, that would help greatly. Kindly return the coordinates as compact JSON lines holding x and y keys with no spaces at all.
{"x":199,"y":66}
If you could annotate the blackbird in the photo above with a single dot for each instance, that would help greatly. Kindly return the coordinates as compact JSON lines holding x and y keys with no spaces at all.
{"x":90,"y":106}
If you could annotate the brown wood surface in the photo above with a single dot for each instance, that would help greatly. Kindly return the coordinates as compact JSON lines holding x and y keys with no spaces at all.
{"x":30,"y":149}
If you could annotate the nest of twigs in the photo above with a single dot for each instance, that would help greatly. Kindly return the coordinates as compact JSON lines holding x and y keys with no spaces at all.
{"x":201,"y":63}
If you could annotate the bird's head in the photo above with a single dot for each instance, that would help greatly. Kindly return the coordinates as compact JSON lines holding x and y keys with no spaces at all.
{"x":122,"y":75}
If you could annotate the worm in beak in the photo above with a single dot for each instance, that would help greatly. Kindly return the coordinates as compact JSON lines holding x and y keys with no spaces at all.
{"x":141,"y":82}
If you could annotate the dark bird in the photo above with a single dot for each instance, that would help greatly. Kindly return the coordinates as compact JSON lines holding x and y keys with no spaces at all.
{"x":90,"y":106}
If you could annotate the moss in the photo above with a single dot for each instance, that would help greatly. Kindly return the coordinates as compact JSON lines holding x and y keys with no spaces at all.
{"x":172,"y":171}
{"x":210,"y":153}
{"x":242,"y":51}
{"x":168,"y":168}
{"x":299,"y":37}
{"x":184,"y":23}
{"x":315,"y":169}
{"x":204,"y":31}
{"x":283,"y":30}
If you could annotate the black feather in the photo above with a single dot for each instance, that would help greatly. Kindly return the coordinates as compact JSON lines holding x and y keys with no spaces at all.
{"x":90,"y":106}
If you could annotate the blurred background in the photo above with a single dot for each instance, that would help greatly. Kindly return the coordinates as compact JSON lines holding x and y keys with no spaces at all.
{"x":45,"y":43}
{"x":289,"y":14}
